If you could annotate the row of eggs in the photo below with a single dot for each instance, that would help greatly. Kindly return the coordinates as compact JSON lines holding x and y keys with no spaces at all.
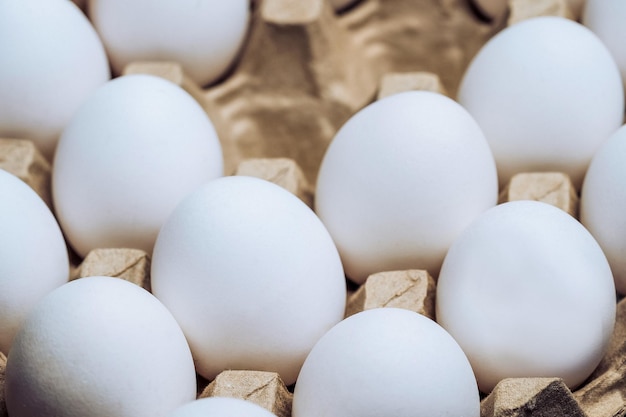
{"x":254,"y":278}
{"x":69,"y":53}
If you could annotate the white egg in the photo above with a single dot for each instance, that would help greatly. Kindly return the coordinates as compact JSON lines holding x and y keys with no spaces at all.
{"x":221,"y":407}
{"x":603,"y":203}
{"x":203,"y":36}
{"x":134,"y":149}
{"x":33,"y":255}
{"x":99,"y":347}
{"x":546,"y":92}
{"x":527,"y":292}
{"x":251,"y":275}
{"x":52,"y":59}
{"x":400,"y":180}
{"x":606,"y":19}
{"x":386,"y":362}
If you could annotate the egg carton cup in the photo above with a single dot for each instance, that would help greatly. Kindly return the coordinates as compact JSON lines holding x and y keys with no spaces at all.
{"x":303,"y":71}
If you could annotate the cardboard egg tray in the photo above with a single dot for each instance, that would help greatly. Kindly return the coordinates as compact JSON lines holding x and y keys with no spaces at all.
{"x":304,"y":70}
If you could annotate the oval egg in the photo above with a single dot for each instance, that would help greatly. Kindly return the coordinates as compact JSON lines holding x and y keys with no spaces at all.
{"x":203,"y":36}
{"x":546,"y":93}
{"x":603,"y":203}
{"x":99,"y":347}
{"x":386,"y":362}
{"x":251,"y":275}
{"x":606,"y":19}
{"x":134,"y":149}
{"x":33,"y":255}
{"x":400,"y":180}
{"x":526,"y":291}
{"x":52,"y":60}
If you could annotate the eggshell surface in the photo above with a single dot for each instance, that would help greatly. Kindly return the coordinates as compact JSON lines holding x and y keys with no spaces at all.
{"x":546,"y":93}
{"x":99,"y":346}
{"x":203,"y":36}
{"x":33,"y":256}
{"x":603,"y":203}
{"x":400,"y":181}
{"x":52,"y":59}
{"x":251,"y":275}
{"x":221,"y":407}
{"x":606,"y":19}
{"x":130,"y":154}
{"x":385,"y":362}
{"x":527,"y":292}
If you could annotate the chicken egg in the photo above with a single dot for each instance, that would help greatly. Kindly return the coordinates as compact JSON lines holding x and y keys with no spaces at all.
{"x":52,"y":59}
{"x":400,"y":180}
{"x":203,"y":36}
{"x":251,"y":275}
{"x":33,"y":255}
{"x":603,"y":203}
{"x":546,"y":93}
{"x":99,"y":347}
{"x":133,"y":150}
{"x":526,"y":291}
{"x":606,"y":19}
{"x":386,"y":362}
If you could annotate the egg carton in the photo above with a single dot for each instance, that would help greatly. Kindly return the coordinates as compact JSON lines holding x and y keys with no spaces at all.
{"x":324,"y":66}
{"x":275,"y":114}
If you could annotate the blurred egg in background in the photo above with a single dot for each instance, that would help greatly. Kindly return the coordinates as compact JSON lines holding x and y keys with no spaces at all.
{"x":203,"y":36}
{"x":52,"y":59}
{"x":606,"y":19}
{"x":603,"y":203}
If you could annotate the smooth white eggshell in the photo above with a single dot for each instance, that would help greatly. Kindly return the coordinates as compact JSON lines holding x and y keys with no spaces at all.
{"x":603,"y":203}
{"x":251,"y":275}
{"x":546,"y":92}
{"x":33,"y":255}
{"x":606,"y":19}
{"x":386,"y":362}
{"x":221,"y":407}
{"x":400,"y":180}
{"x":99,"y":347}
{"x":527,"y":292}
{"x":203,"y":36}
{"x":52,"y":59}
{"x":133,"y":150}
